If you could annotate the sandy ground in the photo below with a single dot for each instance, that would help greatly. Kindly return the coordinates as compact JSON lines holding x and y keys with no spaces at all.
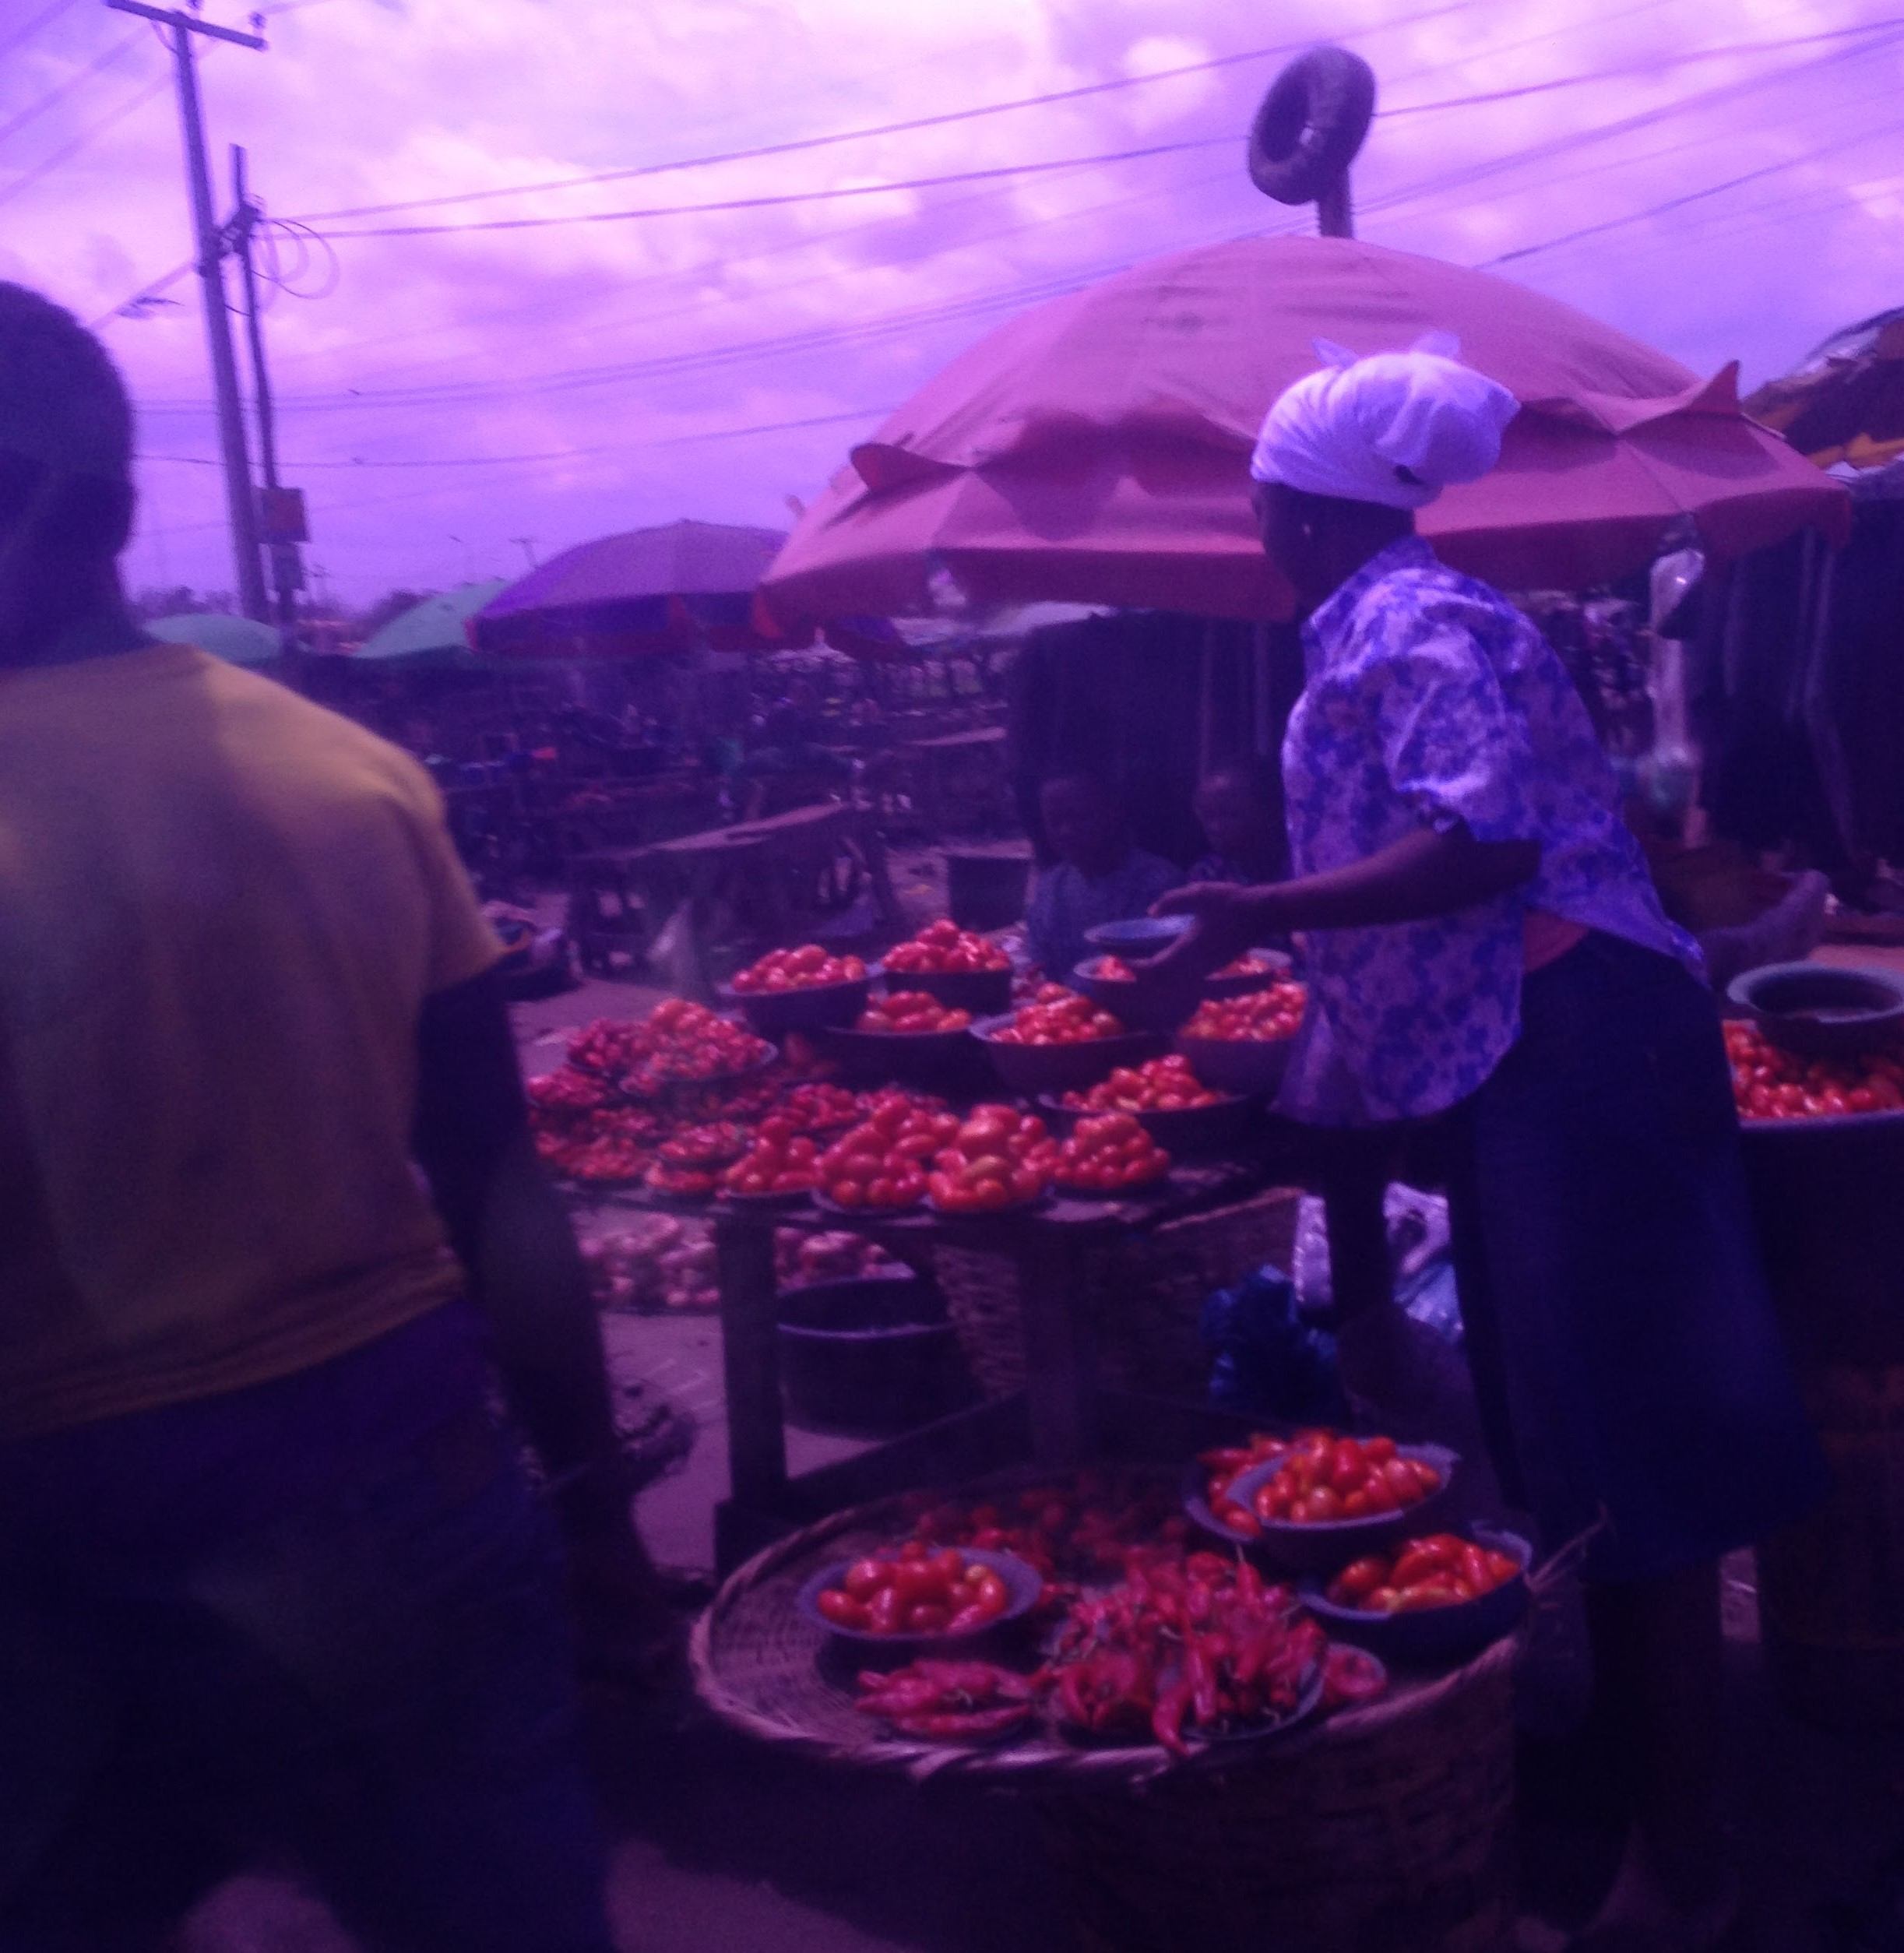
{"x":720,"y":1845}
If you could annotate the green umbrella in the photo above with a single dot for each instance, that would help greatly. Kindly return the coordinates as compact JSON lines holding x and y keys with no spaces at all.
{"x":238,"y":640}
{"x":432,"y":632}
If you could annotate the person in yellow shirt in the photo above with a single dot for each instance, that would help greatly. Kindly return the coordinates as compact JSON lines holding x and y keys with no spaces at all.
{"x":270,"y":1572}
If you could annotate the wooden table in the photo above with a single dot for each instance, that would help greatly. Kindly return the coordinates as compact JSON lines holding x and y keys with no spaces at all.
{"x":1062,"y":1415}
{"x":934,"y":757}
{"x":750,"y":863}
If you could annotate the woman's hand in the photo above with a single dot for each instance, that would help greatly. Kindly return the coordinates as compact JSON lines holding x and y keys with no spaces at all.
{"x":1226,"y":920}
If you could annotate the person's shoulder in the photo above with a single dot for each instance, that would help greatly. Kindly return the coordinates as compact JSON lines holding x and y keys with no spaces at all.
{"x":309,"y":735}
{"x":1148,"y":868}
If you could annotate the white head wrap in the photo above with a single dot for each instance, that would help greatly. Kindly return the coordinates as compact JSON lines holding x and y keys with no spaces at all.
{"x":1396,"y":428}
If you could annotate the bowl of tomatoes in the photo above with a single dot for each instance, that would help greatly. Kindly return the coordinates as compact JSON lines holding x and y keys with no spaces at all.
{"x":960,"y":968}
{"x":1060,"y":1042}
{"x":1182,"y":1113}
{"x":998,"y":1160}
{"x":1330,"y":1499}
{"x":879,"y":1167}
{"x":901,"y":1599}
{"x":805,"y":988}
{"x":1431,"y":1598}
{"x":1107,"y":1156}
{"x":1243,"y":1044}
{"x":910,"y":1036}
{"x":1163,"y":1002}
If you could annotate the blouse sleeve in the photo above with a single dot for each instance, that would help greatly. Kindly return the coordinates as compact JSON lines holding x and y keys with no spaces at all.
{"x":1455,"y":749}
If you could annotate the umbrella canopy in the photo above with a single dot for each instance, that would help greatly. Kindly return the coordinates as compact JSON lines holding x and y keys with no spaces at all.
{"x":238,"y":640}
{"x":685,"y":584}
{"x":1094,"y":450}
{"x":1845,"y":402}
{"x":432,"y":632}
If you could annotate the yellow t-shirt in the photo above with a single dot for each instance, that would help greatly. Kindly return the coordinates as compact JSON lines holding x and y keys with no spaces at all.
{"x":221,"y":909}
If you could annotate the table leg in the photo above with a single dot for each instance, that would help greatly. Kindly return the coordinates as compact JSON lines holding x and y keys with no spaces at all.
{"x":751,"y":1358}
{"x":1354,"y":1183}
{"x":1061,"y":1381}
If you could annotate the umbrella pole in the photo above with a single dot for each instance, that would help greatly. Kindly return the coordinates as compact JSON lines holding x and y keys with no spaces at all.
{"x":1335,"y":214}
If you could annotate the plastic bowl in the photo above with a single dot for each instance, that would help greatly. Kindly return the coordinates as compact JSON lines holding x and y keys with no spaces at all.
{"x":1149,"y":1003}
{"x":1022,"y":1581}
{"x":1436,"y":1635}
{"x":1823,"y":1010}
{"x":870,"y":1355}
{"x":1325,"y":1545}
{"x":775,"y":1012}
{"x":1138,"y":935}
{"x":1280,"y":965}
{"x":1190,"y":1130}
{"x":945,"y":1061}
{"x":1250,"y":1065}
{"x":1031,"y":1070}
{"x":983,"y":992}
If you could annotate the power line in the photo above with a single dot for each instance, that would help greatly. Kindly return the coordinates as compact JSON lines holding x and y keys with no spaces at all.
{"x":996,"y":172}
{"x":48,"y":165}
{"x":1688,"y":197}
{"x":44,"y":18}
{"x":699,"y":438}
{"x":96,"y":65}
{"x":946,"y":118}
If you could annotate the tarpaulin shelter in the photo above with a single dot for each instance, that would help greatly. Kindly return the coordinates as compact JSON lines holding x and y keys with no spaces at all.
{"x":682,"y":586}
{"x":1845,"y":403}
{"x":432,"y":633}
{"x":1094,"y":449}
{"x":238,"y":640}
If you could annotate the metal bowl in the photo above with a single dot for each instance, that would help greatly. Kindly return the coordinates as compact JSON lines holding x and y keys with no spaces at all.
{"x":1436,"y":1636}
{"x":1021,"y":1580}
{"x":1326,"y":1544}
{"x":983,"y":992}
{"x":1031,"y":1070}
{"x":773,"y":1013}
{"x":1182,"y":1133}
{"x":1823,"y":1010}
{"x":1145,"y":1004}
{"x":1280,"y":964}
{"x":1250,"y":1065}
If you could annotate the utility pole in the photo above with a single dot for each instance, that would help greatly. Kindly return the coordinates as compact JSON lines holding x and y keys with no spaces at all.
{"x":180,"y":27}
{"x":284,"y":526}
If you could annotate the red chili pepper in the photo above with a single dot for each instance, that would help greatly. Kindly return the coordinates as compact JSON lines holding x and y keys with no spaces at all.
{"x":950,"y":1727}
{"x":1166,"y":1720}
{"x":1200,"y":1676}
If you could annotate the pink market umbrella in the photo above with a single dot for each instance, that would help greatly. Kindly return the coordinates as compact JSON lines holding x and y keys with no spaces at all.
{"x":672,"y":588}
{"x":1094,"y":450}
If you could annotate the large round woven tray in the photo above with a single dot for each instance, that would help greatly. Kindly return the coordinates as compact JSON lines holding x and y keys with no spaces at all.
{"x":1384,"y":1827}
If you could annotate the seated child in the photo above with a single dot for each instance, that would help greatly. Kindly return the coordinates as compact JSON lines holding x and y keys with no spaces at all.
{"x":1098,"y":876}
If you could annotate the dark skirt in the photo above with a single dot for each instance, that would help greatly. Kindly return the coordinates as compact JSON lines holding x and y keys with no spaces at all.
{"x":1629,"y":1363}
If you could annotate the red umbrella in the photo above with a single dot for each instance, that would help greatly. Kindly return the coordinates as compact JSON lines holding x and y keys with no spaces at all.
{"x":1095,"y":449}
{"x":682,"y":585}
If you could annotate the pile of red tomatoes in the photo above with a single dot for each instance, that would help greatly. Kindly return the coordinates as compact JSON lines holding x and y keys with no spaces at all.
{"x":1770,"y":1083}
{"x":809,"y":967}
{"x":1056,"y":1015}
{"x":941,"y":949}
{"x":1259,"y":1016}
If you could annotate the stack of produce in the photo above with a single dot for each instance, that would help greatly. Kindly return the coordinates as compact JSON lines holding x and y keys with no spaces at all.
{"x":779,"y":1161}
{"x":881,"y":1163}
{"x":1162,"y":1085}
{"x":809,"y":967}
{"x":1259,"y":1016}
{"x":997,"y":1157}
{"x":1770,"y":1083}
{"x":657,"y":1261}
{"x":913,"y":1588}
{"x":1056,"y":1015}
{"x":911,"y":1013}
{"x":1325,"y":1478}
{"x":1440,"y":1570}
{"x":1109,"y":1153}
{"x":1252,"y":963}
{"x":943,"y":949}
{"x":835,"y":1256}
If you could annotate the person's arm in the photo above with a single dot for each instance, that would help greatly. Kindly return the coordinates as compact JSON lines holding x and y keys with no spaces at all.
{"x":1430,"y":872}
{"x":473,"y":1142}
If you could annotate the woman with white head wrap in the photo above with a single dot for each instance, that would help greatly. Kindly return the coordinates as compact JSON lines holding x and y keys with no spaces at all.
{"x":1483,"y":946}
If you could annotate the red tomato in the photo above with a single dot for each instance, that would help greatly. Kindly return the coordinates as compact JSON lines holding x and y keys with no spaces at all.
{"x":887,"y":1613}
{"x":843,"y":1611}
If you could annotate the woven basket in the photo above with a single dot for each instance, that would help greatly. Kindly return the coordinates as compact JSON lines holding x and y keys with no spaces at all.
{"x":1385,"y":1829}
{"x":1144,"y":1296}
{"x":1387,"y":1832}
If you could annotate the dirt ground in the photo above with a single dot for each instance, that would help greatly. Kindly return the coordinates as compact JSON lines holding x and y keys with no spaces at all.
{"x":718,"y":1845}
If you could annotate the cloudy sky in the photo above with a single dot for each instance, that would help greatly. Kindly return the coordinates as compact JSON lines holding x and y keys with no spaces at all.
{"x":454,"y":400}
